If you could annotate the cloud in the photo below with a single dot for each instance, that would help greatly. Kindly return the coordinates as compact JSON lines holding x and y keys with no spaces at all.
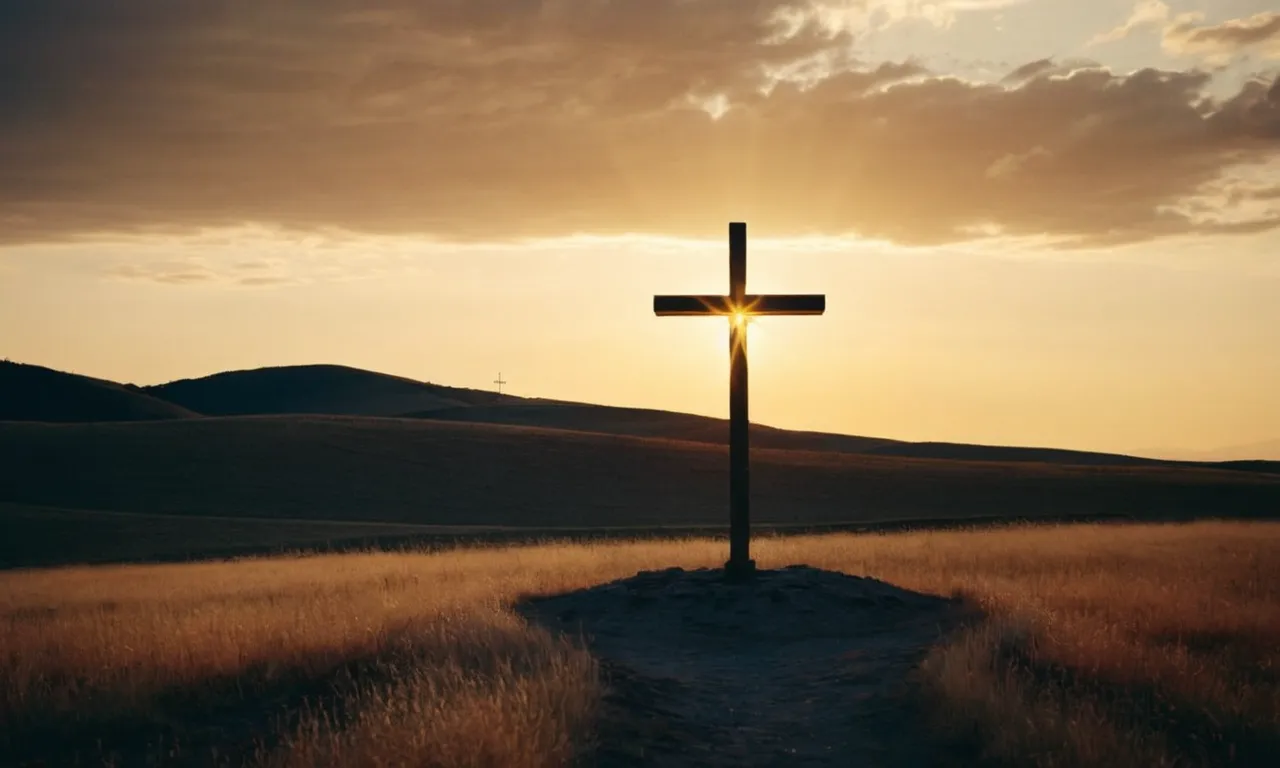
{"x":1147,"y":13}
{"x":1186,"y":34}
{"x":193,"y":273}
{"x":260,"y":281}
{"x":221,"y":258}
{"x":165,"y":274}
{"x":1046,"y":67}
{"x":856,"y":15}
{"x":499,"y":120}
{"x":206,"y":263}
{"x":1222,"y":42}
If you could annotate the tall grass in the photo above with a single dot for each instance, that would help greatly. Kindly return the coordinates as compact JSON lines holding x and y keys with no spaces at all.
{"x":1139,"y":645}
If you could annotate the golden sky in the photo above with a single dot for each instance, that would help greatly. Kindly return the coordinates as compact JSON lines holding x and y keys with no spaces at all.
{"x":1047,"y":222}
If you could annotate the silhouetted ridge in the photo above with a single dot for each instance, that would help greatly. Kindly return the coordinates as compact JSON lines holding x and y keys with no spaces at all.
{"x":34,"y":393}
{"x":966,"y":452}
{"x":668,"y":425}
{"x":645,"y":422}
{"x":313,"y":389}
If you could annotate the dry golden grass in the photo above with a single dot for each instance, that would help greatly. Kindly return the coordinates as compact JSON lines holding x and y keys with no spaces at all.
{"x":1139,"y":645}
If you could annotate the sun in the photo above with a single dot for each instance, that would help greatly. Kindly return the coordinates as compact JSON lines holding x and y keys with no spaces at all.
{"x":740,"y":318}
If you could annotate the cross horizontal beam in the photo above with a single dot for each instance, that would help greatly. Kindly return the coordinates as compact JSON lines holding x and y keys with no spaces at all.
{"x":778,"y":304}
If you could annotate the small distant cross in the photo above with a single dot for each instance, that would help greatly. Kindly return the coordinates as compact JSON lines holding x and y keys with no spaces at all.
{"x":499,"y":381}
{"x":739,"y":307}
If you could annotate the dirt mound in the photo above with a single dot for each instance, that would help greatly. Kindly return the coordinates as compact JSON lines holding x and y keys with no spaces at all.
{"x":793,"y":604}
{"x":796,"y":667}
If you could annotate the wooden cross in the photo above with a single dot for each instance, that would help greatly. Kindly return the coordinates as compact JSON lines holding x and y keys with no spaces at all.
{"x":739,"y":307}
{"x":499,"y":382}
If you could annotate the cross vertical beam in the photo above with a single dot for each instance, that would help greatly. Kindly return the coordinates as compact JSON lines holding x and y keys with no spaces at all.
{"x":740,"y":563}
{"x":739,"y":307}
{"x":738,"y":262}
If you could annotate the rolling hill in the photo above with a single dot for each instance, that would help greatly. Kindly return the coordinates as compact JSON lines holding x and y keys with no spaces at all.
{"x":447,"y":473}
{"x":643,"y":422}
{"x":34,"y":393}
{"x":301,"y":470}
{"x":341,"y":390}
{"x":313,"y":389}
{"x":967,"y":452}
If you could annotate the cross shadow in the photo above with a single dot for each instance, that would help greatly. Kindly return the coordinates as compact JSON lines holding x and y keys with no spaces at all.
{"x":797,"y":666}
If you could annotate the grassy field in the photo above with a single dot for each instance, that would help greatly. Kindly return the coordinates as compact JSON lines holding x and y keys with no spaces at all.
{"x":1091,"y":645}
{"x":41,"y":536}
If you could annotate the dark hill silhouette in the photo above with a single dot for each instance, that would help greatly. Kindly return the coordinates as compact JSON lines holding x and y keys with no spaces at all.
{"x":313,"y":389}
{"x":641,"y":422}
{"x":343,"y":391}
{"x":966,"y":452}
{"x":645,"y":422}
{"x":35,"y":393}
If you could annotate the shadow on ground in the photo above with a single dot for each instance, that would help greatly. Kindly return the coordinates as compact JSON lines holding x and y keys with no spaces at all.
{"x":798,"y":667}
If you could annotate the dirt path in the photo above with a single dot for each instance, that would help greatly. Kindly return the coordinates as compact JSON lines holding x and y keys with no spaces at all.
{"x":801,"y":667}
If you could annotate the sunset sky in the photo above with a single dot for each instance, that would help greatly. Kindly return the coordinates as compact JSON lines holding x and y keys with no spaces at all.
{"x":1037,"y":222}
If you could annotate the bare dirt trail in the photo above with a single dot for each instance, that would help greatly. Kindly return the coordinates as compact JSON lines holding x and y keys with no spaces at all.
{"x":799,"y":667}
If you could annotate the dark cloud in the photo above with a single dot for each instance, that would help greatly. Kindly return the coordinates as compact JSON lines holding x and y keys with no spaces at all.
{"x":1046,"y":67}
{"x":501,"y":119}
{"x":1029,"y":70}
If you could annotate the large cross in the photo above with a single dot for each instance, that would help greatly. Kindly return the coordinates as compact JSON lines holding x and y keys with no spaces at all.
{"x":500,"y":382}
{"x":739,"y":307}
